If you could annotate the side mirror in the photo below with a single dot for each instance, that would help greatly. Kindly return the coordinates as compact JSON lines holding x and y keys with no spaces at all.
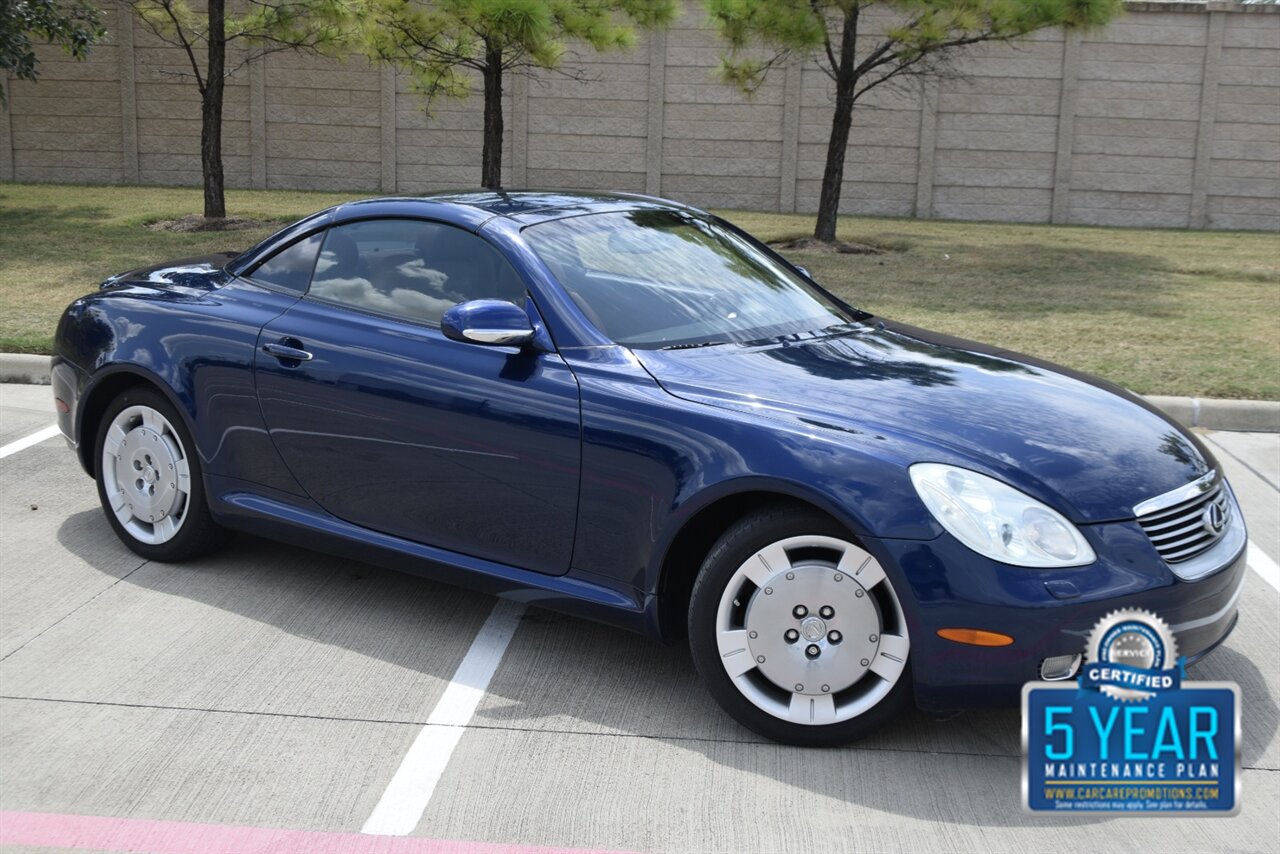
{"x":488,"y":321}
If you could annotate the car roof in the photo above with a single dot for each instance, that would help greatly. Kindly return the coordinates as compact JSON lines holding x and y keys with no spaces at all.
{"x":470,"y":209}
{"x":527,"y":207}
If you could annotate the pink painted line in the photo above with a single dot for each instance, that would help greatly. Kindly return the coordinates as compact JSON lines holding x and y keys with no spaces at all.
{"x":102,"y":833}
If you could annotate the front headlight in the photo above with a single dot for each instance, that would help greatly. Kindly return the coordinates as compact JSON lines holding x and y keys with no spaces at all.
{"x":998,"y":521}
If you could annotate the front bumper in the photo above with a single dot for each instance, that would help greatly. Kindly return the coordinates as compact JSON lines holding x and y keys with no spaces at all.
{"x":68,"y":383}
{"x":1048,"y":612}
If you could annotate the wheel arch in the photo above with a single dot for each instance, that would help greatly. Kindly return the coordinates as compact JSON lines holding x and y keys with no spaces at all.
{"x":703,"y":523}
{"x":107,"y":384}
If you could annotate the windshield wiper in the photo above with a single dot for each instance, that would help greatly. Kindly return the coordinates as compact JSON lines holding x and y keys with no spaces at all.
{"x":692,"y":345}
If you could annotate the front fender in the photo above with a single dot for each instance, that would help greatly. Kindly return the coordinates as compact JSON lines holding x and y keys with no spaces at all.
{"x":96,"y":392}
{"x":198,"y":350}
{"x":652,"y":462}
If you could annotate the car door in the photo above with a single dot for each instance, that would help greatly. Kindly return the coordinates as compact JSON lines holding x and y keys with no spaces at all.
{"x":389,"y":425}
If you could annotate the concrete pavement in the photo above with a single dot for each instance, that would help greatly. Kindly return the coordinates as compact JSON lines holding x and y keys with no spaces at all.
{"x":269,"y":687}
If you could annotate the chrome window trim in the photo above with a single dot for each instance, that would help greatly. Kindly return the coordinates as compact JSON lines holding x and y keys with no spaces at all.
{"x":1195,"y":489}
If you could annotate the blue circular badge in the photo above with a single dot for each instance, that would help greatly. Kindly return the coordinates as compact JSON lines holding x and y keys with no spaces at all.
{"x":1138,"y":644}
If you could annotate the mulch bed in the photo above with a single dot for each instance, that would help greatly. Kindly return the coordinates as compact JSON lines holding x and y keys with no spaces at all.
{"x":841,"y":247}
{"x":195,"y":222}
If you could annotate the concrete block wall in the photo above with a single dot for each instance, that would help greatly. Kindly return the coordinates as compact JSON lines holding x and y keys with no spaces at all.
{"x":997,"y":133}
{"x":321,"y":123}
{"x":1243,"y":186}
{"x":1169,"y":117}
{"x":1136,"y":121}
{"x":718,"y":146}
{"x":590,"y":134}
{"x":70,"y":128}
{"x":166,"y":113}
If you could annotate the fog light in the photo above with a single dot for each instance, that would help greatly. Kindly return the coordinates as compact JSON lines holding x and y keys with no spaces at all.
{"x":1059,"y":667}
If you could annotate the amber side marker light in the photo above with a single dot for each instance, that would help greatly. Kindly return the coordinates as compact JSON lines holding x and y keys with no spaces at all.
{"x":62,"y":405}
{"x":975,"y":637}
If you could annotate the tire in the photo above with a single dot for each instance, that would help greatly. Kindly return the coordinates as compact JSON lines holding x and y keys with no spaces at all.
{"x":829,"y":660}
{"x":150,"y":481}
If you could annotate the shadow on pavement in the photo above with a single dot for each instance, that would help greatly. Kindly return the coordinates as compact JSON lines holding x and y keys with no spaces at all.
{"x":566,"y":675}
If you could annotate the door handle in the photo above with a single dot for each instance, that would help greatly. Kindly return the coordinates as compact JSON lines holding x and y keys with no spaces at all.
{"x":286,"y":353}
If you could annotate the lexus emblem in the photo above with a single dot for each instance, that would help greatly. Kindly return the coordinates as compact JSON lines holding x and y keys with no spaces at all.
{"x":1214,"y":519}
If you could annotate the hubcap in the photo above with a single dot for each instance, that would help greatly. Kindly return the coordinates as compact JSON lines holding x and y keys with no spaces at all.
{"x":811,"y":631}
{"x":145,"y":474}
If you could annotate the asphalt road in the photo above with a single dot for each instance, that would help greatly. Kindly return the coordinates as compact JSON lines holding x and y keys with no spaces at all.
{"x":219,"y":704}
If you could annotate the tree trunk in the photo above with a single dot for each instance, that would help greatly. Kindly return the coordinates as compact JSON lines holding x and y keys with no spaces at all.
{"x":215,"y":204}
{"x":838,"y":144}
{"x":491,"y":157}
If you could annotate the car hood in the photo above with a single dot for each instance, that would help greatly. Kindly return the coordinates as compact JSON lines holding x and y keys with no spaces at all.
{"x":201,"y":273}
{"x":1086,"y":447}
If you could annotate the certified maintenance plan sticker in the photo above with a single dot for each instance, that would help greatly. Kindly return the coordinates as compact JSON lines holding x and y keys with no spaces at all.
{"x":1132,"y":735}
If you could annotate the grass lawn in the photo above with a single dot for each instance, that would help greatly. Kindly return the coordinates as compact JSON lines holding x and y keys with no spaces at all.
{"x":1161,"y":312}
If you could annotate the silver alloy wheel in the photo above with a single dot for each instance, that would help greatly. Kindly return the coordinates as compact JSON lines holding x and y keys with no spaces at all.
{"x":145,"y":474}
{"x":801,"y":630}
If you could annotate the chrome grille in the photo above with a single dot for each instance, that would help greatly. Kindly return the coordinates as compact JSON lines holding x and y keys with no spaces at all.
{"x":1188,"y":521}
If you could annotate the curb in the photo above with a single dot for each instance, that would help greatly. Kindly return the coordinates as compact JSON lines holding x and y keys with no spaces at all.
{"x":24,"y":368}
{"x":1254,"y":416}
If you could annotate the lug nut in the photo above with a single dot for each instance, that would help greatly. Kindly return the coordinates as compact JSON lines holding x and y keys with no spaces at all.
{"x":858,"y":593}
{"x":760,"y":658}
{"x":834,"y":636}
{"x":839,"y":577}
{"x":791,"y":636}
{"x":768,"y":591}
{"x":791,"y":576}
{"x":826,"y":612}
{"x":799,"y":612}
{"x":865,"y":663}
{"x":812,"y":650}
{"x":799,"y":687}
{"x":826,"y":688}
{"x":753,"y":635}
{"x":873,"y":638}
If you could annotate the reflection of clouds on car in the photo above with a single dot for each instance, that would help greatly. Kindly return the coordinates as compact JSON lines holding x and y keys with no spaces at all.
{"x":409,"y":268}
{"x":661,"y":278}
{"x":326,"y":262}
{"x":416,"y":275}
{"x":406,"y":287}
{"x":417,"y":269}
{"x":360,"y":293}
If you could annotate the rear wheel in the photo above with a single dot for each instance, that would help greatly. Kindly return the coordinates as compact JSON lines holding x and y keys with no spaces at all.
{"x":149,"y":479}
{"x":798,"y":631}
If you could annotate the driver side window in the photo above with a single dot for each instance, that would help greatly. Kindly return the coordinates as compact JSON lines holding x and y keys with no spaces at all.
{"x":410,"y":269}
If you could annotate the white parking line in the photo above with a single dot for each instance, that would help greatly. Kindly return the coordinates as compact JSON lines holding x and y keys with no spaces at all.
{"x":402,"y":804}
{"x":1261,"y":563}
{"x":27,"y":441}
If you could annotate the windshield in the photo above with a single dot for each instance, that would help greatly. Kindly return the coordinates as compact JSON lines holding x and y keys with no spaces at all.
{"x":656,"y":278}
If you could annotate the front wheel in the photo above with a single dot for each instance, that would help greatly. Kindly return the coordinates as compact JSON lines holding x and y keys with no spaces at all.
{"x":797,"y":630}
{"x":149,"y":479}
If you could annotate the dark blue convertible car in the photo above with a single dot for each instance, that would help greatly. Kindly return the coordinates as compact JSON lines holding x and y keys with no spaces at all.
{"x":630,"y":410}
